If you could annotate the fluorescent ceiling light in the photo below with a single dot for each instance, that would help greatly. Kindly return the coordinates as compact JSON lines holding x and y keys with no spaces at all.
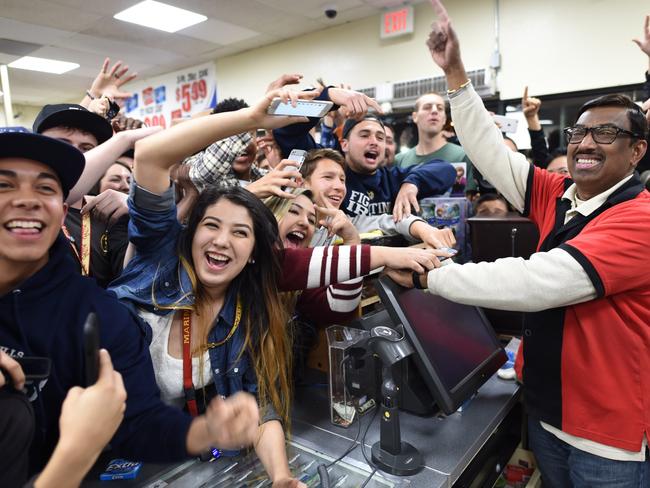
{"x":43,"y":64}
{"x":160,"y":16}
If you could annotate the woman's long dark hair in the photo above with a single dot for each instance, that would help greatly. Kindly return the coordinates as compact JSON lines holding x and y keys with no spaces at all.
{"x":264,"y":316}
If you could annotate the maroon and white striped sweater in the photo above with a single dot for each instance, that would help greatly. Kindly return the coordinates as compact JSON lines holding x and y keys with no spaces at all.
{"x":331,"y":277}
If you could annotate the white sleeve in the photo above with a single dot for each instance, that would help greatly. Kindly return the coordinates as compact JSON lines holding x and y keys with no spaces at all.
{"x":385,"y":223}
{"x":482,"y":141}
{"x":546,"y":280}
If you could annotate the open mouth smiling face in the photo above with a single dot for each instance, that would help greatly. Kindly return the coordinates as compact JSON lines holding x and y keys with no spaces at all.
{"x":222,"y":245}
{"x":31,"y":210}
{"x":298,"y":225}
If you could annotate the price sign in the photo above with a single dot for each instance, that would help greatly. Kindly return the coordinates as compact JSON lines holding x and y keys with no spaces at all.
{"x":159,"y":100}
{"x":396,"y":23}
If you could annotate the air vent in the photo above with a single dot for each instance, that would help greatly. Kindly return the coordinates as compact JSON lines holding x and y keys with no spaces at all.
{"x":369,"y":92}
{"x":410,"y":90}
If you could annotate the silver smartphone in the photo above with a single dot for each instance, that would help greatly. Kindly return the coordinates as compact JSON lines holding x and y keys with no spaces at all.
{"x":297,"y":155}
{"x":303,"y":108}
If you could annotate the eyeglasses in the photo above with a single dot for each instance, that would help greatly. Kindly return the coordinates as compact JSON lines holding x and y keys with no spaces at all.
{"x":602,"y":134}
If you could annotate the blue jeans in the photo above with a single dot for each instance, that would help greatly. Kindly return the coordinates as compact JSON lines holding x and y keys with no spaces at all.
{"x":564,"y":466}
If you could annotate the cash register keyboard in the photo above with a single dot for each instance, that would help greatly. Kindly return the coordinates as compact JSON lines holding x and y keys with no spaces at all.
{"x":246,"y":471}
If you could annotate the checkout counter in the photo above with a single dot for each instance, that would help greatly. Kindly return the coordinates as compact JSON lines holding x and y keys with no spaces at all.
{"x":467,"y":447}
{"x":464,"y":449}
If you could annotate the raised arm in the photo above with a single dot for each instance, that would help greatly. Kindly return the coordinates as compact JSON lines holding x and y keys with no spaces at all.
{"x":315,"y":267}
{"x":356,"y":104}
{"x":479,"y":136}
{"x":155,"y":155}
{"x":644,"y":41}
{"x":102,"y":157}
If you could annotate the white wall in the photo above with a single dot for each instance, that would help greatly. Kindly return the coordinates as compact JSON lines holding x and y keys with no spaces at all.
{"x":554,"y":46}
{"x":559,"y":46}
{"x":24,"y":116}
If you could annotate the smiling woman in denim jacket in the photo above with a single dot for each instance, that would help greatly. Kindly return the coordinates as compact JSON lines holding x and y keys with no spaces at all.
{"x":216,"y":283}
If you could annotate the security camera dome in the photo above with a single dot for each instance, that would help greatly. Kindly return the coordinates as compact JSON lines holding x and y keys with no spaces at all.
{"x":330,"y":10}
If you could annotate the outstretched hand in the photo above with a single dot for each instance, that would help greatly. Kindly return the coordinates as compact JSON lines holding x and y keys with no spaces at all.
{"x":406,"y":200}
{"x":284,"y":80}
{"x":108,"y":82}
{"x":644,"y":42}
{"x":356,"y":104}
{"x":262,"y":120}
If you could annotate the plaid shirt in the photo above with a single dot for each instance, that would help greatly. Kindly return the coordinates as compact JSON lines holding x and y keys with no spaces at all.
{"x":213,"y":166}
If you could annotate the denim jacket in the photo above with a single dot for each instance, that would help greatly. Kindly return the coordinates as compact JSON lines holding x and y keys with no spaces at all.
{"x":155,"y":279}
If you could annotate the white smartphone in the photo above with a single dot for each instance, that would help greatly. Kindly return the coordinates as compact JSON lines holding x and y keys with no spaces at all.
{"x":299,"y":156}
{"x":506,"y":124}
{"x":304,"y":108}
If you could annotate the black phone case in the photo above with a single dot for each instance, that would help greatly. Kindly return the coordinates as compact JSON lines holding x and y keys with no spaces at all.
{"x":91,"y":348}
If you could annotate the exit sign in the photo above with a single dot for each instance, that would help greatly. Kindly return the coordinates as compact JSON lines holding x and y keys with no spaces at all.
{"x":396,"y":22}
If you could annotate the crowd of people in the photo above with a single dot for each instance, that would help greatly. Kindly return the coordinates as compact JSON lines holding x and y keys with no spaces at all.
{"x":209,"y":258}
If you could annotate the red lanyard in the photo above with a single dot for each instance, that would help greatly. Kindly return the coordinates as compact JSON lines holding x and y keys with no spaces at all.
{"x":188,"y":384}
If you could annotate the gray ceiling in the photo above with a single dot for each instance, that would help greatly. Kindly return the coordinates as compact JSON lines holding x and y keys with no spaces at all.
{"x":85,"y":32}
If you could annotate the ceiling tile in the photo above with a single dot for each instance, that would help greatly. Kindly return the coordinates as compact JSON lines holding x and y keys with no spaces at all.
{"x":218,"y":32}
{"x":39,"y":34}
{"x":41,"y":12}
{"x":174,"y":43}
{"x":135,"y":54}
{"x":101,"y":7}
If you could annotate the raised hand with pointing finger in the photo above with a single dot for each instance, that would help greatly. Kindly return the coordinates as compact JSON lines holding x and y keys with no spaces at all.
{"x":444,"y":47}
{"x":644,"y":41}
{"x":530,"y":106}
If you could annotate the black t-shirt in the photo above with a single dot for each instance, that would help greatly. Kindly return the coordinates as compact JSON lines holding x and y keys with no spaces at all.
{"x":107,"y":245}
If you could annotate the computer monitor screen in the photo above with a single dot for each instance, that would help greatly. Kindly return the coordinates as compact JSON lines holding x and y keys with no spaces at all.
{"x":456,"y":348}
{"x":502,"y":237}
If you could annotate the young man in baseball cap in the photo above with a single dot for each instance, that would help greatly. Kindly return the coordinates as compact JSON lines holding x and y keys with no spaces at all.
{"x":44,"y":304}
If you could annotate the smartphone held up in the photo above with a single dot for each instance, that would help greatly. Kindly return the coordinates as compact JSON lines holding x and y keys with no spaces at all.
{"x":303,"y":108}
